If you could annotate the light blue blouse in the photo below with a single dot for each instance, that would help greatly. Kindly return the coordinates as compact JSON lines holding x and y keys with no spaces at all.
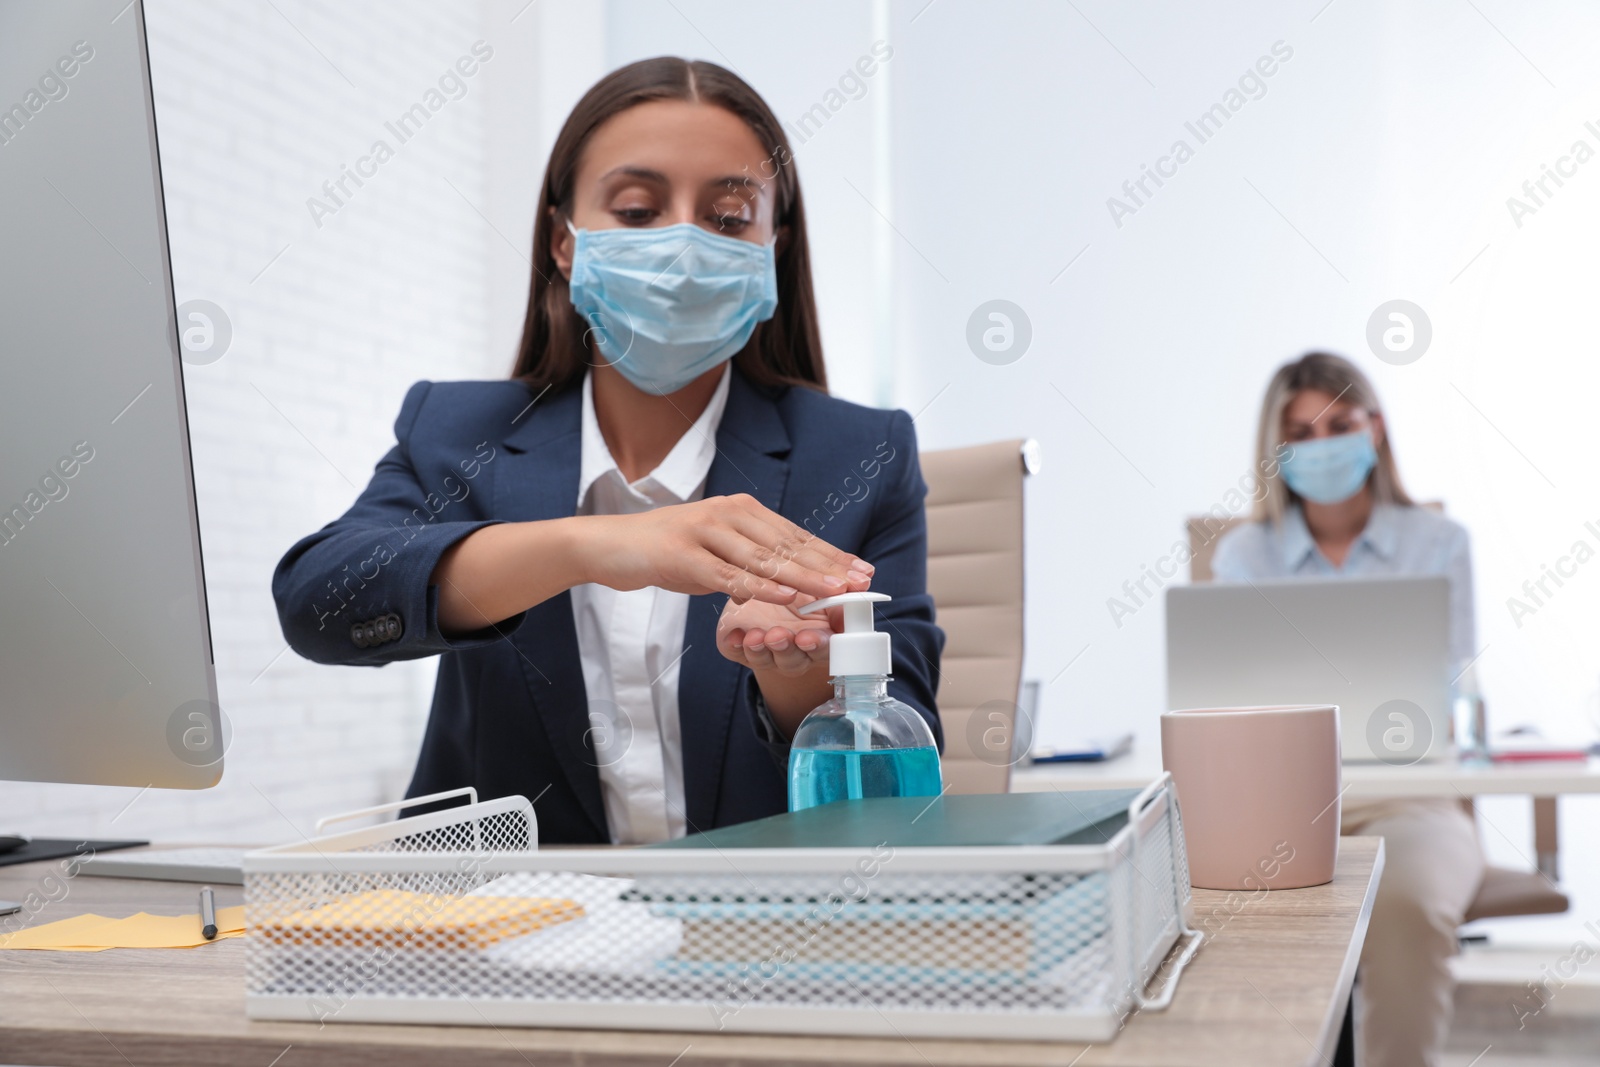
{"x":1399,"y":540}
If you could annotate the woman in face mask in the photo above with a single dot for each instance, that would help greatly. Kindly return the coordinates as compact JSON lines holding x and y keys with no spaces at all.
{"x":608,"y":550}
{"x":1336,"y":508}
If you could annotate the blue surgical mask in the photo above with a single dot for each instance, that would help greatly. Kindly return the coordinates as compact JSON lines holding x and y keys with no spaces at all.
{"x":666,"y":305}
{"x":1330,"y":469}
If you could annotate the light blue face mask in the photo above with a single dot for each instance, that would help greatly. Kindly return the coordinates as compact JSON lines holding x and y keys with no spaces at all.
{"x":666,"y":305}
{"x":1330,"y":469}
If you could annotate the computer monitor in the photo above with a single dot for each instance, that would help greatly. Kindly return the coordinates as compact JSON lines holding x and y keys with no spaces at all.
{"x":105,"y":648}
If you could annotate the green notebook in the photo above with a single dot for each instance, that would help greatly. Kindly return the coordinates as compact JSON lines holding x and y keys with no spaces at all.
{"x":1090,"y":817}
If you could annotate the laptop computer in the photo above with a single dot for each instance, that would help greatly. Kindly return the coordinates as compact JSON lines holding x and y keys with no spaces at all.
{"x":1379,"y":648}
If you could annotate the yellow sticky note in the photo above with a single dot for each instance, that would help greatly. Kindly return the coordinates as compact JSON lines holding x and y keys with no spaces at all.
{"x":395,"y":919}
{"x":51,"y":935}
{"x":92,"y":933}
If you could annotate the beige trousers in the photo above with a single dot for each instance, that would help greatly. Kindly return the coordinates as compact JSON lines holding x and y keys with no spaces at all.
{"x":1432,"y":867}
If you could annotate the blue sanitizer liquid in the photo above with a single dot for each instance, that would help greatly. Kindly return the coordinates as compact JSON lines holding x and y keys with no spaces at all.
{"x":823,"y":775}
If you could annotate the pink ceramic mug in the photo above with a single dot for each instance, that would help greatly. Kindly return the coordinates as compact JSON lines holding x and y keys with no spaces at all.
{"x":1258,"y":789}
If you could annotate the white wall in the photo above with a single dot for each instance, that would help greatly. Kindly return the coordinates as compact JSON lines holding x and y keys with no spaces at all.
{"x":1376,"y":166}
{"x":331,"y":324}
{"x":1389,"y":141}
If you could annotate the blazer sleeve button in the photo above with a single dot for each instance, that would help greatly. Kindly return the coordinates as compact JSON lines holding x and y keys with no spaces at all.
{"x":358,"y":636}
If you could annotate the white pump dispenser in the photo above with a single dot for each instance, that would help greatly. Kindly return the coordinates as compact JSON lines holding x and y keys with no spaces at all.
{"x":860,"y":649}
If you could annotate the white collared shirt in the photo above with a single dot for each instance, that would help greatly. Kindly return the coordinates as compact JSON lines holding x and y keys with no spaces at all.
{"x":630,"y":643}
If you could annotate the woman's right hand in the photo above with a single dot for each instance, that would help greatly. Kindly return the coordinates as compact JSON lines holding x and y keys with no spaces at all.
{"x":723,"y":544}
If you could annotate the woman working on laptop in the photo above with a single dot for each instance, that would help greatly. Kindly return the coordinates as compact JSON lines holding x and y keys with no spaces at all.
{"x":1338,"y":510}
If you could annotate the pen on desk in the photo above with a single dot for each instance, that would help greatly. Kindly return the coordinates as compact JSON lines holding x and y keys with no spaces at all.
{"x":208,"y":913}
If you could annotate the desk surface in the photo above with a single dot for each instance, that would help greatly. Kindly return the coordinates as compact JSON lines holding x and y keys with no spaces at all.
{"x":1269,"y":987}
{"x":1361,"y":780}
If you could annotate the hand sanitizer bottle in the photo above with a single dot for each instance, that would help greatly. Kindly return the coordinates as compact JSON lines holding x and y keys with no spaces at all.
{"x":863,"y":742}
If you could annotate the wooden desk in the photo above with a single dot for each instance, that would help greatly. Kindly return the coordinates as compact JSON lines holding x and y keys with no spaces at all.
{"x":1269,"y":988}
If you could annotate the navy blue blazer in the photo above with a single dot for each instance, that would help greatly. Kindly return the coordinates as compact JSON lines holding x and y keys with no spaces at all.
{"x":510,"y":714}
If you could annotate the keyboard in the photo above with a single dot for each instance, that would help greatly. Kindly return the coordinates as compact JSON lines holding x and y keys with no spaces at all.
{"x":215,"y":866}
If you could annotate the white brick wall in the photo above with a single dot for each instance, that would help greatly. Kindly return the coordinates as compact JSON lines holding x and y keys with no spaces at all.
{"x":257,"y":105}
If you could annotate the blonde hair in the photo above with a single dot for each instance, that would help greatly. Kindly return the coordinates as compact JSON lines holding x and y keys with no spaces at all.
{"x":1337,"y":377}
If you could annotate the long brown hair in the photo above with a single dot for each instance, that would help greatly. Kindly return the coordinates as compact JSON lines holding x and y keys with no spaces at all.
{"x":1337,"y":377}
{"x":784,"y":350}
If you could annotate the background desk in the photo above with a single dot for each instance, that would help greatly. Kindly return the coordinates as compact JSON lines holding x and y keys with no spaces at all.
{"x":1271,"y":987}
{"x":1542,"y":780}
{"x":1362,"y":780}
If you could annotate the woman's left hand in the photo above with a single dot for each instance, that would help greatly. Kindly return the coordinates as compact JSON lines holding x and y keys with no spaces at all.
{"x":774,"y":638}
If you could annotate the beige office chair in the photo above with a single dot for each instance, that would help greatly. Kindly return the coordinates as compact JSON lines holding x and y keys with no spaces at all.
{"x":1204,"y":533}
{"x":1505,"y":891}
{"x":974,"y":509}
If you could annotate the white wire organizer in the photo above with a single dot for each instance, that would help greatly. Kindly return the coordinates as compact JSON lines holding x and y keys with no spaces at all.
{"x":456,"y":917}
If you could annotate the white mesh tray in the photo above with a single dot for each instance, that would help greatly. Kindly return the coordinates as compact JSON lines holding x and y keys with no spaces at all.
{"x":455,"y":917}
